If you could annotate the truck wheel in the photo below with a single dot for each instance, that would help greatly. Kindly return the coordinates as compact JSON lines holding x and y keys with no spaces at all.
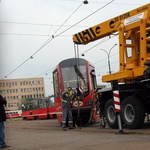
{"x":111,"y":114}
{"x":133,"y":112}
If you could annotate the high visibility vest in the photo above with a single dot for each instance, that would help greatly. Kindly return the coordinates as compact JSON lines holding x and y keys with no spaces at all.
{"x":66,"y":98}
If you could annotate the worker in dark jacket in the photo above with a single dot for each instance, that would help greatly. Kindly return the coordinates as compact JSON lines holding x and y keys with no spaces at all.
{"x":67,"y":97}
{"x":2,"y":119}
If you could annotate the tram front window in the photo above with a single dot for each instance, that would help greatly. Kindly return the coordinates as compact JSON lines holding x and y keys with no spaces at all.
{"x":71,"y":79}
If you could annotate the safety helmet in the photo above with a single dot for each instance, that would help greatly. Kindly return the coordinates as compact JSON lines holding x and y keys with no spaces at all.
{"x":69,"y":88}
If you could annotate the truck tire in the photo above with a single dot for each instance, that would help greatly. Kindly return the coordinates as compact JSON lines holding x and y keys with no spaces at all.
{"x":133,"y":112}
{"x":111,"y":114}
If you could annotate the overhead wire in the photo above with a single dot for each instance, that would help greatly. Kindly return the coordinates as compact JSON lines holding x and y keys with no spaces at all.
{"x":51,"y":38}
{"x":103,"y":2}
{"x":23,"y":34}
{"x":86,"y":17}
{"x":104,"y":40}
{"x":69,"y":17}
{"x":47,"y":41}
{"x":35,"y":24}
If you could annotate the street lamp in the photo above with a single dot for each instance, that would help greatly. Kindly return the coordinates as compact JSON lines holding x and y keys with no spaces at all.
{"x":108,"y":55}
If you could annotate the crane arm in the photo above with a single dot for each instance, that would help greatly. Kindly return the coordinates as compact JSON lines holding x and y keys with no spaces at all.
{"x":110,"y":26}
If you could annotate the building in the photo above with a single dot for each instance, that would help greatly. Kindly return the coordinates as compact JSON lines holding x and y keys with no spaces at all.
{"x":17,"y":90}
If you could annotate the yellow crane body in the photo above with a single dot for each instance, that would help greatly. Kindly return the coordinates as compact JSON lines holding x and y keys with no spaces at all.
{"x":133,"y":29}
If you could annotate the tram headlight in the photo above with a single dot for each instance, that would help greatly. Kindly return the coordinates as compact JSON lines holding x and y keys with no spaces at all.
{"x":77,"y":103}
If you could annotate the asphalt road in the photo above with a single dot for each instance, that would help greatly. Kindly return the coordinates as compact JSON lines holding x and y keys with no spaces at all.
{"x":47,"y":135}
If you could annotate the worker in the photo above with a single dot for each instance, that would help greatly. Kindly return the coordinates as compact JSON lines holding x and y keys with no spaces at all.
{"x":3,"y":103}
{"x":67,"y":97}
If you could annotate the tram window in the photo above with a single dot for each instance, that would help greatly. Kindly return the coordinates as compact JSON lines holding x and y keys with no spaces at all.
{"x":70,"y":78}
{"x":55,"y":79}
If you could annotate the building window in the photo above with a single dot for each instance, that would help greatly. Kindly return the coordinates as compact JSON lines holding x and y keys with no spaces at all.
{"x":4,"y":91}
{"x":9,"y":84}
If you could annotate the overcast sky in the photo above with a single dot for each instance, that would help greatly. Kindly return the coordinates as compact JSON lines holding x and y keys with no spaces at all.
{"x":25,"y":25}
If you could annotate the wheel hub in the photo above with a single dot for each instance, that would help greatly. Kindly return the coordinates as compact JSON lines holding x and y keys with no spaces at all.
{"x":129,"y":113}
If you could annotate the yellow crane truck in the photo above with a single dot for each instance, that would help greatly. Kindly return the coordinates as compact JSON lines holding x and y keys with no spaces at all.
{"x":130,"y":92}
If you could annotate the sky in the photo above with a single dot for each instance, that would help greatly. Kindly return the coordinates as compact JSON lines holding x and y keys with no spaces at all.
{"x":35,"y":35}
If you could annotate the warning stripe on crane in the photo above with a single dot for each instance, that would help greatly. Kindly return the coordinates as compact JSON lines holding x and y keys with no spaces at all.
{"x":116,"y":100}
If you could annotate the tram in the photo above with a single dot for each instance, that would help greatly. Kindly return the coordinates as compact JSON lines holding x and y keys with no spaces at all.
{"x":79,"y":74}
{"x":38,"y":109}
{"x":13,"y":114}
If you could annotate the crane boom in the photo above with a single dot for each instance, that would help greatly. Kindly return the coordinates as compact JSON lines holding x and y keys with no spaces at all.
{"x":133,"y":29}
{"x":111,"y":26}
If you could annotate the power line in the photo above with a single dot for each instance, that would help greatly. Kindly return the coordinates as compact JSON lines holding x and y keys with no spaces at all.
{"x":51,"y":38}
{"x":35,"y":24}
{"x":87,"y":17}
{"x":24,"y":34}
{"x":102,"y":2}
{"x":104,"y":40}
{"x":69,"y":17}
